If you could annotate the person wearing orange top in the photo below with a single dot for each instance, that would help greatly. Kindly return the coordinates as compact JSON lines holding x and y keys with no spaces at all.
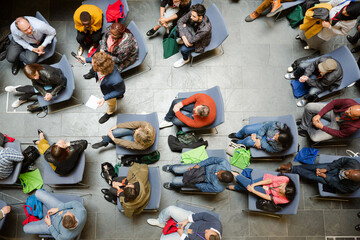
{"x":197,"y":111}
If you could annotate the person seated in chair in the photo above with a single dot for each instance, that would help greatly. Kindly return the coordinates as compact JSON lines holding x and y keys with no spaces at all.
{"x":88,"y":23}
{"x":191,"y":226}
{"x":354,"y":39}
{"x":46,"y":80}
{"x":62,"y":156}
{"x":328,"y":74}
{"x":279,"y":189}
{"x":30,"y":38}
{"x":138,"y":135}
{"x":121,"y":45}
{"x":194,"y":29}
{"x":4,"y":211}
{"x":343,"y":115}
{"x":133,"y":191}
{"x":271,"y":136}
{"x":64,"y":220}
{"x":8,"y":159}
{"x":208,"y":175}
{"x":341,"y":175}
{"x":275,"y":9}
{"x":200,"y":111}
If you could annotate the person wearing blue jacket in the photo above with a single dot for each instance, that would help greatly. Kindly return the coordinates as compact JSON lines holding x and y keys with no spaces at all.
{"x":271,"y":136}
{"x":191,"y":226}
{"x":111,"y":83}
{"x":216,"y":172}
{"x":64,"y":221}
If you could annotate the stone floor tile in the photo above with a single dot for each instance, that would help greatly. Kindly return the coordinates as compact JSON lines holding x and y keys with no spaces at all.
{"x":306,"y":223}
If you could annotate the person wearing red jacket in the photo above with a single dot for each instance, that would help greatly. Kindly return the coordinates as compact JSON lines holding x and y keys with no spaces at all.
{"x":342,"y":115}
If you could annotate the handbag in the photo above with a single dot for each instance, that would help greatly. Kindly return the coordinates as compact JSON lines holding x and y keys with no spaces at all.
{"x":241,"y":157}
{"x":30,"y":155}
{"x":170,"y":45}
{"x":230,"y":149}
{"x":115,"y":11}
{"x":266,"y":205}
{"x":36,"y":108}
{"x":35,"y":205}
{"x":170,"y":227}
{"x":295,"y":17}
{"x":108,"y":172}
{"x":29,"y":217}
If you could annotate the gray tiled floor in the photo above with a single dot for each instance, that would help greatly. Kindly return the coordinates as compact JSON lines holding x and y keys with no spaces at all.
{"x":250,"y":75}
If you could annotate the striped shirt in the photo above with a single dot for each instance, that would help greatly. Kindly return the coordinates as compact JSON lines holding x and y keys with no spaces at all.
{"x":8,"y":156}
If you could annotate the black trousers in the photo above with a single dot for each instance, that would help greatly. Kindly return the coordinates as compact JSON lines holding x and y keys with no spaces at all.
{"x":28,"y":91}
{"x":87,"y":40}
{"x":16,"y":52}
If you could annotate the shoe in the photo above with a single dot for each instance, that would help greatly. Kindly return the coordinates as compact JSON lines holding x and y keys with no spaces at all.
{"x":355,"y":49}
{"x":15,"y":68}
{"x":151,"y":32}
{"x":179,"y":41}
{"x":155,"y":222}
{"x":289,"y":76}
{"x":298,"y":122}
{"x":80,"y":51}
{"x":232,"y":135}
{"x":109,"y":199}
{"x":357,"y":227}
{"x":104,"y":118}
{"x":235,"y":141}
{"x":89,"y":75}
{"x":40,"y":131}
{"x":351,"y":39}
{"x":12,"y":88}
{"x":254,"y":15}
{"x":165,"y":124}
{"x":17,"y":103}
{"x":99,"y":145}
{"x":285,"y":167}
{"x":181,"y":62}
{"x":297,"y":37}
{"x":105,"y":191}
{"x":301,"y":103}
{"x":111,"y":141}
{"x":276,"y":8}
{"x":306,"y":47}
{"x":290,"y":69}
{"x":166,"y":168}
{"x":168,"y":186}
{"x":302,"y":132}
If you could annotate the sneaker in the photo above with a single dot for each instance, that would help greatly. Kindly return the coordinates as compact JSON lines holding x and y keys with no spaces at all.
{"x":89,"y":75}
{"x":17,"y":103}
{"x":289,"y":76}
{"x":290,"y":69}
{"x":155,"y":222}
{"x":179,"y":41}
{"x":351,"y":39}
{"x":307,"y":47}
{"x":232,"y":135}
{"x":355,"y":49}
{"x":252,"y":17}
{"x":104,"y":118}
{"x":181,"y":62}
{"x":302,"y":132}
{"x":165,"y":124}
{"x":276,"y":8}
{"x":166,"y":168}
{"x":99,"y":145}
{"x":91,"y":51}
{"x":151,"y":32}
{"x":301,"y":103}
{"x":297,"y":37}
{"x":80,"y":51}
{"x":11,"y":88}
{"x":168,"y":186}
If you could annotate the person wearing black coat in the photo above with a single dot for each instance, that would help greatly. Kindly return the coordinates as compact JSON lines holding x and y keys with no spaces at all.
{"x":46,"y":80}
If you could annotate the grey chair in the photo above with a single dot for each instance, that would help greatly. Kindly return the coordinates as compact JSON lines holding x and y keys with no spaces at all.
{"x":155,"y":194}
{"x":287,"y":5}
{"x":215,"y":93}
{"x":197,"y":208}
{"x":152,"y":118}
{"x":2,"y":204}
{"x":219,"y":31}
{"x":11,"y":180}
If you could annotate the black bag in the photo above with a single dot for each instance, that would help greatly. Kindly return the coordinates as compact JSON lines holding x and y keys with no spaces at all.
{"x":194,"y":176}
{"x":127,"y":160}
{"x":108,"y":172}
{"x":150,"y":158}
{"x":266,"y":205}
{"x":30,"y":155}
{"x":308,"y":4}
{"x":36,"y":108}
{"x":176,"y":146}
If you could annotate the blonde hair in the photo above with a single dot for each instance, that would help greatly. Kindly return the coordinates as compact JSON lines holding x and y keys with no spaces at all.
{"x":143,"y":136}
{"x":103,"y":63}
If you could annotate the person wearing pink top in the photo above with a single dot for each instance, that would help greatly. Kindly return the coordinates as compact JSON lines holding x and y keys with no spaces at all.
{"x":279,"y":189}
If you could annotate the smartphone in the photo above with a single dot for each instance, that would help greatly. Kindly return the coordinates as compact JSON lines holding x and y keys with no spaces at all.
{"x":74,"y":55}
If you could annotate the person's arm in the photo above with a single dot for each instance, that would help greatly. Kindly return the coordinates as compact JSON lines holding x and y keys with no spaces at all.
{"x":339,"y":163}
{"x":262,"y":195}
{"x":266,"y":146}
{"x":70,"y":205}
{"x":183,"y":31}
{"x":340,"y":133}
{"x":211,"y":161}
{"x":203,"y":216}
{"x":60,"y":80}
{"x":210,"y":187}
{"x":13,"y":155}
{"x":337,"y":103}
{"x":103,"y":43}
{"x":264,"y":128}
{"x":119,"y":90}
{"x":338,"y":185}
{"x":132,"y":125}
{"x":97,"y":20}
{"x":39,"y":88}
{"x":309,"y":70}
{"x":343,"y":27}
{"x":262,"y":182}
{"x":128,"y":144}
{"x":200,"y":34}
{"x":49,"y":31}
{"x":126,"y":50}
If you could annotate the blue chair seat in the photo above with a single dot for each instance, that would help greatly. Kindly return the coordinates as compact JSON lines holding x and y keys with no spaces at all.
{"x":152,"y":118}
{"x":287,"y":5}
{"x":2,"y":204}
{"x":196,"y":209}
{"x":15,"y":174}
{"x":155,"y":182}
{"x":290,"y":121}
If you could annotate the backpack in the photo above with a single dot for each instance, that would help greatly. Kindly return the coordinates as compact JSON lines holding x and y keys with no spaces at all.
{"x":108,"y":172}
{"x":150,"y":158}
{"x":115,"y":11}
{"x":30,"y":217}
{"x":170,"y":227}
{"x":187,"y":138}
{"x":30,"y":155}
{"x":36,"y":205}
{"x":295,"y":17}
{"x":241,"y":158}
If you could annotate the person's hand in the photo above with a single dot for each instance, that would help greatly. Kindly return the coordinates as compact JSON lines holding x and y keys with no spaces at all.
{"x":318,"y":124}
{"x":250,"y":188}
{"x":48,"y":97}
{"x":52,"y":211}
{"x":186,"y":42}
{"x":177,"y":107}
{"x":6,"y":209}
{"x":163,"y":21}
{"x":323,"y":175}
{"x":180,"y":231}
{"x":101,"y":102}
{"x":358,"y":28}
{"x":303,"y":78}
{"x":316,"y":118}
{"x":196,"y":166}
{"x":253,"y":137}
{"x":38,"y":51}
{"x":320,"y":171}
{"x":47,"y":220}
{"x":326,"y":24}
{"x":111,"y":135}
{"x":257,"y":144}
{"x":81,"y":57}
{"x":182,"y":224}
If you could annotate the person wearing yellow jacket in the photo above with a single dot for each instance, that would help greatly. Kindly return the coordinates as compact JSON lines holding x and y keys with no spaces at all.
{"x":88,"y":23}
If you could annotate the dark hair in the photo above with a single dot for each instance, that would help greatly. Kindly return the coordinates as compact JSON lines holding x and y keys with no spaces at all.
{"x":226,"y":177}
{"x":18,"y":20}
{"x":285,"y":137}
{"x":199,"y":9}
{"x":119,"y":28}
{"x":130,"y":193}
{"x":59,"y":153}
{"x":68,"y":222}
{"x":214,"y":237}
{"x":290,"y":190}
{"x":85,"y":17}
{"x":204,"y":111}
{"x":31,"y":69}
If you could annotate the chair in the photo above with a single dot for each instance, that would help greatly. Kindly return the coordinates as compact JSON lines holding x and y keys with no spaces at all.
{"x":11,"y":180}
{"x":155,"y":194}
{"x":219,"y":31}
{"x":215,"y":93}
{"x":323,"y":158}
{"x":103,"y":5}
{"x":65,"y":94}
{"x":290,"y":121}
{"x":194,"y":2}
{"x":152,"y":118}
{"x":290,"y":209}
{"x":143,"y":51}
{"x":2,"y":204}
{"x":287,"y":5}
{"x":196,"y":208}
{"x":71,"y":180}
{"x":220,"y":153}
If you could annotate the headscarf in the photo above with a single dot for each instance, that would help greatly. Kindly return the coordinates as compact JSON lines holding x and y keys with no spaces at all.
{"x":120,"y":29}
{"x":352,"y":9}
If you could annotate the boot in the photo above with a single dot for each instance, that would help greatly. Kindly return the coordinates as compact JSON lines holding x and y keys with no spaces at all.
{"x":276,"y":8}
{"x":285,"y":167}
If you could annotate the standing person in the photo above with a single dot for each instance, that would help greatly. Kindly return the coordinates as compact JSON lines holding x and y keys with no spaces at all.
{"x":276,"y":8}
{"x":170,"y":12}
{"x":88,"y":23}
{"x":30,"y":38}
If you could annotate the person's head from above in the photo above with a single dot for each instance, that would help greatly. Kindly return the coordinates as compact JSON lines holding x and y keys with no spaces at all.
{"x":69,"y":221}
{"x":85,"y":19}
{"x":117,"y":31}
{"x":102,"y":63}
{"x":59,"y":151}
{"x":288,"y":190}
{"x":353,"y":174}
{"x":353,"y":112}
{"x":351,"y":10}
{"x":197,"y":12}
{"x":225,"y":176}
{"x":327,"y":66}
{"x":32,"y":71}
{"x":202,"y":110}
{"x":143,"y":135}
{"x":23,"y":24}
{"x":130,"y":192}
{"x":284,"y":136}
{"x":210,"y":234}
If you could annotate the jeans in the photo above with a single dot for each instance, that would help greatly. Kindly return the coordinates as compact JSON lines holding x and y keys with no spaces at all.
{"x":243,"y":182}
{"x":40,"y":227}
{"x":86,"y":40}
{"x":16,"y":52}
{"x":179,"y":170}
{"x":176,"y":213}
{"x":185,"y":51}
{"x":313,"y":94}
{"x":170,"y":116}
{"x":28,"y":90}
{"x":248,"y":130}
{"x":309,"y":172}
{"x":123,"y":133}
{"x":266,"y":3}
